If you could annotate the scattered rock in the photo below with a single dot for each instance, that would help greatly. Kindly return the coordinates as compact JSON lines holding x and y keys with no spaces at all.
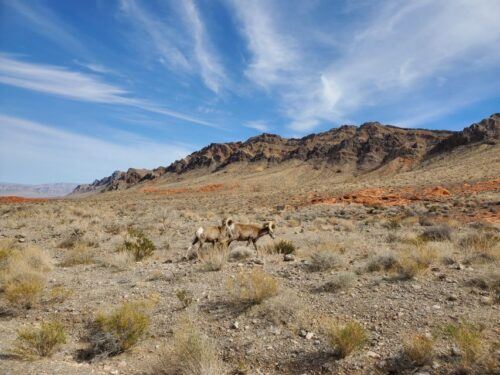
{"x":288,"y":258}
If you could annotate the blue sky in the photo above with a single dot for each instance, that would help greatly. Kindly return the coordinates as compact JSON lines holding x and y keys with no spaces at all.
{"x":88,"y":87}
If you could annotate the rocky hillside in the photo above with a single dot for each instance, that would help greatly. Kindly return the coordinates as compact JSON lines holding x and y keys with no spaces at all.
{"x":348,"y":148}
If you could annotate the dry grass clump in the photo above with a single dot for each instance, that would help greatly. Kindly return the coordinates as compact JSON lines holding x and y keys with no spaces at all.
{"x":339,"y":281}
{"x":119,"y":261}
{"x":480,"y":246}
{"x":437,"y":233}
{"x":213,"y":260}
{"x":252,"y":287}
{"x":345,"y":338}
{"x":240,"y":253}
{"x":113,"y":333}
{"x":382,"y":262}
{"x":419,"y":349}
{"x":138,"y":244}
{"x":469,"y":340}
{"x":324,"y":259}
{"x":285,"y":308}
{"x":411,"y":263}
{"x":39,"y":342}
{"x":79,"y":254}
{"x":281,"y":247}
{"x":74,"y":237}
{"x":22,"y":274}
{"x":185,"y":297}
{"x":192,"y":353}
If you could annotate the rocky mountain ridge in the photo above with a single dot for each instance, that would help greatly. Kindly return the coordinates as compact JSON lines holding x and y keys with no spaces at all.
{"x":346,"y":148}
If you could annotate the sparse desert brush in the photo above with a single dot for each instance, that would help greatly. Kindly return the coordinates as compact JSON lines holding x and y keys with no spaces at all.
{"x":324,"y":259}
{"x":59,"y":294}
{"x":113,"y":333}
{"x":285,"y":308}
{"x":381,"y":262}
{"x":139,"y":244}
{"x":436,"y":233}
{"x":469,"y":340}
{"x":73,"y":238}
{"x":30,"y":257}
{"x":345,"y":338}
{"x":120,"y":261}
{"x":392,"y":224}
{"x":39,"y":342}
{"x":252,"y":287}
{"x":240,"y":253}
{"x":191,"y":353}
{"x":24,"y":289}
{"x":213,"y":260}
{"x":480,"y":246}
{"x":419,"y":349}
{"x":339,"y":281}
{"x":185,"y":297}
{"x":79,"y":254}
{"x":413,"y":262}
{"x":281,"y":247}
{"x":489,"y":281}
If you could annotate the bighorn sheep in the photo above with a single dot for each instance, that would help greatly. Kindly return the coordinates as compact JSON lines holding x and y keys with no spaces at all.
{"x":249,"y":232}
{"x":210,"y":234}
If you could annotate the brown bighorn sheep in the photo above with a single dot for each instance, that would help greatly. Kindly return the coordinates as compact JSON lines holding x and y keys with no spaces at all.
{"x":210,"y":234}
{"x":249,"y":232}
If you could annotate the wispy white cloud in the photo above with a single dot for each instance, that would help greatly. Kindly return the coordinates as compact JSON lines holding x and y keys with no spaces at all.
{"x":75,"y":85}
{"x":211,"y":70}
{"x":45,"y":22}
{"x":257,"y":125}
{"x":274,"y":54}
{"x":400,"y":51}
{"x":96,"y":68}
{"x":32,"y":152}
{"x":163,"y":38}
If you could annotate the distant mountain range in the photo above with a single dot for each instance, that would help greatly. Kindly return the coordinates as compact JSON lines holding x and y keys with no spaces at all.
{"x":37,"y":191}
{"x":347,"y":149}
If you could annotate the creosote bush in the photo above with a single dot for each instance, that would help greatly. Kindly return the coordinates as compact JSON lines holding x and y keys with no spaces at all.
{"x":419,"y":349}
{"x":113,"y":333}
{"x":383,"y":262}
{"x":39,"y":342}
{"x":213,"y":260}
{"x":345,"y":338}
{"x":411,"y":263}
{"x":185,"y":297}
{"x":139,"y":244}
{"x":252,"y":287}
{"x":480,"y":247}
{"x":339,"y":281}
{"x":24,"y":289}
{"x":281,"y":247}
{"x":79,"y":254}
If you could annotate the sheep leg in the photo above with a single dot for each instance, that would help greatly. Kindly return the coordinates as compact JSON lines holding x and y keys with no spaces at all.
{"x":195,"y":240}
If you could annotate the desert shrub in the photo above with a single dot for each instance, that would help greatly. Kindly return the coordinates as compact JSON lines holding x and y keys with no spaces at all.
{"x":241,"y":253}
{"x":481,"y":246}
{"x":384,"y":262}
{"x":285,"y":308}
{"x":74,"y":237}
{"x":139,"y":244}
{"x":340,"y":281}
{"x":79,"y":254}
{"x":324,"y":260}
{"x":39,"y":342}
{"x":392,"y":224}
{"x":118,"y":261}
{"x":419,"y":349}
{"x":468,"y":338}
{"x":252,"y":287}
{"x":347,"y":338}
{"x":213,"y":260}
{"x":281,"y":247}
{"x":437,"y":233}
{"x":113,"y":333}
{"x":32,"y":258}
{"x":191,"y":353}
{"x":59,"y":294}
{"x":24,"y":289}
{"x":185,"y":297}
{"x":411,"y":263}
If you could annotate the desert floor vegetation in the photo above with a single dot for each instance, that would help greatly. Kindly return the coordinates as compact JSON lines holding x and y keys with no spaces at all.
{"x":362,"y":286}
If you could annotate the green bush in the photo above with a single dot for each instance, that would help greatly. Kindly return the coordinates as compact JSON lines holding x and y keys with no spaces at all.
{"x":39,"y":342}
{"x":139,"y":244}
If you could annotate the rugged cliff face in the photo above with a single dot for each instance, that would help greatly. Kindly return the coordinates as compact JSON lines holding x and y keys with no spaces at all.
{"x":351,"y":148}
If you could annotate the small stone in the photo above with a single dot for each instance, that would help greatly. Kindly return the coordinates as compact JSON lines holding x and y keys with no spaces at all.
{"x":309,"y":335}
{"x":302,"y":333}
{"x":235,"y":325}
{"x":371,"y":354}
{"x":288,"y":258}
{"x":452,"y":297}
{"x":455,"y":351}
{"x":459,"y":266}
{"x":487,"y":300}
{"x":436,"y":307}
